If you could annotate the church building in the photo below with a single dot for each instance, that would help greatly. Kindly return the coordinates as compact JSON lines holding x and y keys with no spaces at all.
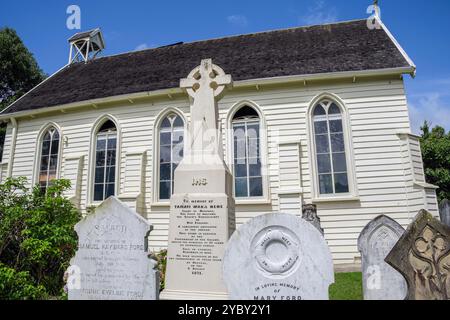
{"x":316,"y":115}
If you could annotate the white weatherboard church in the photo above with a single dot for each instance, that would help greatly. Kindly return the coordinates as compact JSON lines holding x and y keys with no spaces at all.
{"x":327,"y":102}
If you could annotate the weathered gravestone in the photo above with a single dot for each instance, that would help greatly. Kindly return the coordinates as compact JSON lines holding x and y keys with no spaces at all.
{"x":444,"y":212}
{"x":380,"y":280}
{"x":202,"y":206}
{"x":278,"y":257}
{"x":309,"y":213}
{"x":422,"y":256}
{"x":112,"y":262}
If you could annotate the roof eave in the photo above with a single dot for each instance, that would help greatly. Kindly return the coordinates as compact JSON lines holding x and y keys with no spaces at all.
{"x":397,"y":44}
{"x":237,"y":84}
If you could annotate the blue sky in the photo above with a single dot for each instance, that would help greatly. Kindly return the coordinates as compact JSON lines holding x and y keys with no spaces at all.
{"x":422,"y":28}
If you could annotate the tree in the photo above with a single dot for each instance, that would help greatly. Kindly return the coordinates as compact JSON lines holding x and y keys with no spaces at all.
{"x":19,"y":71}
{"x":37,"y":239}
{"x":436,"y":158}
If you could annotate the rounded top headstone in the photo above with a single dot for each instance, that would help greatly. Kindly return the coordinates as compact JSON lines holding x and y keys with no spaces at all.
{"x":278,"y":257}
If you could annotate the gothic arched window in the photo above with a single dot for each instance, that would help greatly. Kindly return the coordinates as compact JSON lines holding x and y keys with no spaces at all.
{"x":105,"y":161}
{"x":248,"y":180}
{"x":330,"y":150}
{"x":170,"y":153}
{"x":48,"y":157}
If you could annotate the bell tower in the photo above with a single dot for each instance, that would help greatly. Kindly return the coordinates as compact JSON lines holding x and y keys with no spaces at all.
{"x":85,"y":46}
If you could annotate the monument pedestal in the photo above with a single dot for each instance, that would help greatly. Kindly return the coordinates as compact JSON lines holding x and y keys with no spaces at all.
{"x":200,"y":226}
{"x":191,"y":295}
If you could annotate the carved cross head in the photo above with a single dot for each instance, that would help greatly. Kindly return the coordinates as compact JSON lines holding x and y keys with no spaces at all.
{"x":206,"y":79}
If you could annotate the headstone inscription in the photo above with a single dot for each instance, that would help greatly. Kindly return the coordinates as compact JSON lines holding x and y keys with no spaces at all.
{"x":278,"y":257}
{"x":422,"y":256}
{"x":380,"y":280}
{"x":112,"y":261}
{"x":202,"y":206}
{"x":444,"y":212}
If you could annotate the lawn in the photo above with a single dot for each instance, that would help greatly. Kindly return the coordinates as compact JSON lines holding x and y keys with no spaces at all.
{"x":347,"y":286}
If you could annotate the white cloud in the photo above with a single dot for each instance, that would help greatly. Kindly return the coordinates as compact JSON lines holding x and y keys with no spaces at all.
{"x":431,"y":106}
{"x":142,"y":46}
{"x":320,"y":13}
{"x":238,"y":20}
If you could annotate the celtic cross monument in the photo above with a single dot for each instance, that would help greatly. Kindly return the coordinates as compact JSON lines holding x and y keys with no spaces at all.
{"x":202,"y":206}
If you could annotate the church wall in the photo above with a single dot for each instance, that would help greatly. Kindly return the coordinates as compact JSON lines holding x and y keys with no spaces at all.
{"x":377,"y":110}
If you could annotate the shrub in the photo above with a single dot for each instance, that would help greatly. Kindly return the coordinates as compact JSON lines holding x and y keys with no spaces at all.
{"x":37,"y":239}
{"x":161,"y":259}
{"x":15,"y":285}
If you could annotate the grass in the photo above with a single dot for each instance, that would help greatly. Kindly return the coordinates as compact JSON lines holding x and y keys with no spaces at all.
{"x":347,"y":286}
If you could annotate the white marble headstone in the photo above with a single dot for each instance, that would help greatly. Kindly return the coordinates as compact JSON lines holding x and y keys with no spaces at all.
{"x":112,"y":262}
{"x":380,"y":280}
{"x":277,"y":257}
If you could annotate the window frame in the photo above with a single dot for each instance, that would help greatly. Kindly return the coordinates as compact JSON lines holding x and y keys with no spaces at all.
{"x":92,"y":158}
{"x":39,"y":141}
{"x":316,"y":196}
{"x":265,"y":198}
{"x":156,"y":149}
{"x":106,"y":136}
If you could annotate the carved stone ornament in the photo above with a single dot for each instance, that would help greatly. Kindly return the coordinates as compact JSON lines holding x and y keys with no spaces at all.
{"x":309,"y":213}
{"x":422,"y":256}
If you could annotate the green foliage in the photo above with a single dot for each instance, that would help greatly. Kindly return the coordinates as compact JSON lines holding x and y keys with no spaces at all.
{"x":19,"y":71}
{"x":161,"y":259}
{"x":15,"y":285}
{"x":347,"y":286}
{"x":37,"y":239}
{"x":436,"y":158}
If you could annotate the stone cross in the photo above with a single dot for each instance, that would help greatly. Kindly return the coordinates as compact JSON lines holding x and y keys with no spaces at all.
{"x":422,"y":256}
{"x":444,"y":212}
{"x":202,"y":207}
{"x":204,"y":85}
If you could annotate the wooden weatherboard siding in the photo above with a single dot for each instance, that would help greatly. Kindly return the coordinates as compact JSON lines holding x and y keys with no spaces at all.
{"x":377,"y":109}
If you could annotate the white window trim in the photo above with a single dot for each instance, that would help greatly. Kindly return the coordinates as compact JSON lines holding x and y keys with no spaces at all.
{"x":38,"y":150}
{"x":352,"y":195}
{"x":156,"y":202}
{"x":92,"y":154}
{"x":265,"y":199}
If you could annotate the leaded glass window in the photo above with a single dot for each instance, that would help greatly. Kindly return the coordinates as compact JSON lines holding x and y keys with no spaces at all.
{"x":330,"y":150}
{"x":105,"y":161}
{"x":171,"y":148}
{"x":49,"y":158}
{"x":248,"y":181}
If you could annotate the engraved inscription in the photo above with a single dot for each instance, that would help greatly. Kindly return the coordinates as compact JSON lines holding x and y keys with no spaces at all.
{"x":199,"y":182}
{"x":197,"y":235}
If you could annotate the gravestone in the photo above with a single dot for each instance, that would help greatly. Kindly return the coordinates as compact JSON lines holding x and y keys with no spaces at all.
{"x":112,"y":262}
{"x":202,"y":206}
{"x":380,"y":280}
{"x":444,"y":212}
{"x":422,"y":256}
{"x":309,"y":213}
{"x":278,"y":257}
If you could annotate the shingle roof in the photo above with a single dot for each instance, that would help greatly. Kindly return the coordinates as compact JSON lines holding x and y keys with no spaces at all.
{"x":347,"y":46}
{"x":82,"y":35}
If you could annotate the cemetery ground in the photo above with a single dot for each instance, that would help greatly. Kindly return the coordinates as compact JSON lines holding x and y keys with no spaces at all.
{"x":347,"y":286}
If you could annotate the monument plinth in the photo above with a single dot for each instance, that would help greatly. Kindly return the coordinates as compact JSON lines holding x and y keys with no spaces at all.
{"x":202,"y":206}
